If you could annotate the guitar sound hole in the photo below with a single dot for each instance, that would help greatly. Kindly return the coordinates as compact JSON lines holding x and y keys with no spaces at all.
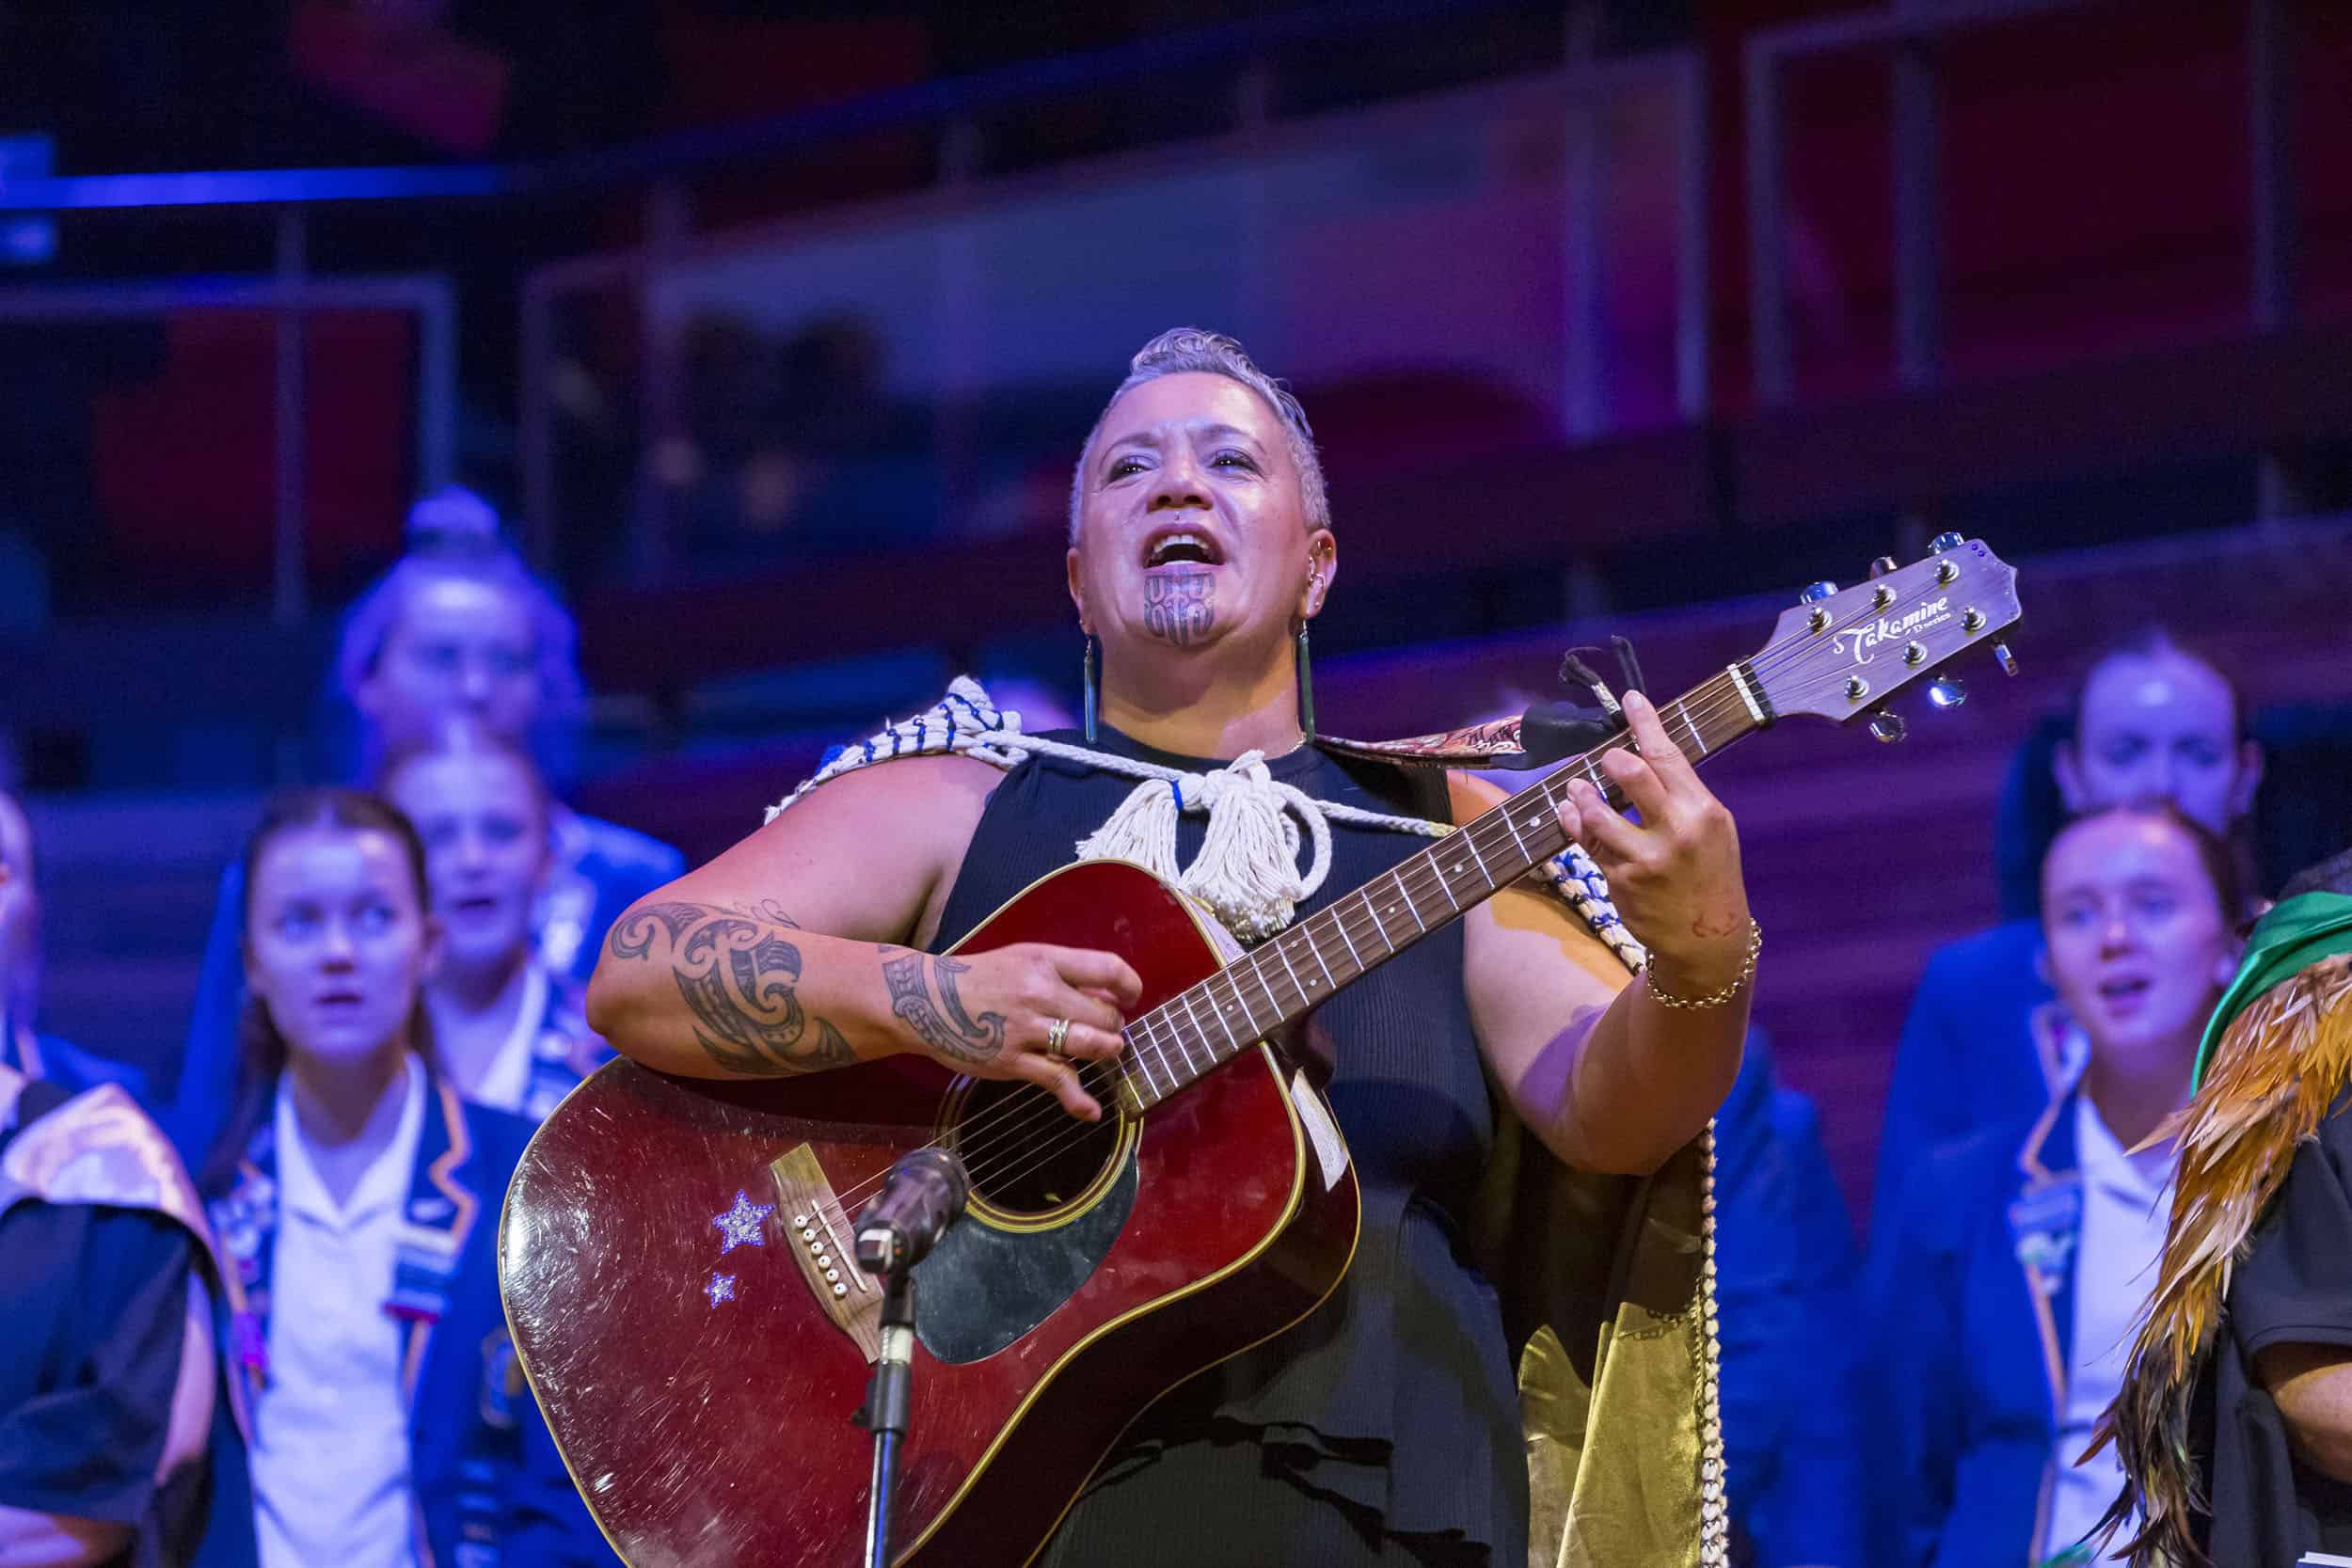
{"x":1027,"y":1155}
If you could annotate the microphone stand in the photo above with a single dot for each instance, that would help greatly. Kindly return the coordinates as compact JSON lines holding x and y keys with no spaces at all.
{"x":885,"y":1413}
{"x":922,"y":1197}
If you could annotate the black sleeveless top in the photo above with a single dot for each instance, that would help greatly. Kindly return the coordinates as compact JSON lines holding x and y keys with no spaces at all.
{"x":1397,"y":1394}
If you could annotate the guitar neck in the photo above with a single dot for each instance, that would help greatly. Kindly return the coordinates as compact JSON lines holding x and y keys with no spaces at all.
{"x":1276,"y":983}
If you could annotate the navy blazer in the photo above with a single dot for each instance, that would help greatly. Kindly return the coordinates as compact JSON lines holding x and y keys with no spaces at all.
{"x":1983,"y":1046}
{"x":490,"y":1487}
{"x":65,"y":1064}
{"x":1784,"y":1281}
{"x":1970,"y":1302}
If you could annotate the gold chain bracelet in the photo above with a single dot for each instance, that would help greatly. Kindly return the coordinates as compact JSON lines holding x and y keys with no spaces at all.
{"x":1713,"y":999}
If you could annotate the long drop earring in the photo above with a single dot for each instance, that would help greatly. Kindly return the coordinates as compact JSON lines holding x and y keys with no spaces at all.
{"x":1087,"y":689}
{"x":1306,"y":688}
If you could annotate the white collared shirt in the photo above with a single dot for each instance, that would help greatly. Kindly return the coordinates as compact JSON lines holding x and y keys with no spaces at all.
{"x":2127,"y":1201}
{"x":330,"y":1456}
{"x":508,"y":1083}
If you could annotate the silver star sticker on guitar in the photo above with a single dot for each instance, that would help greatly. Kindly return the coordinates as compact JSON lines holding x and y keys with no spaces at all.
{"x":740,"y":1224}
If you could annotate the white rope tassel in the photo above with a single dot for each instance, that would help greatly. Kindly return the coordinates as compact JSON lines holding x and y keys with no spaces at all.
{"x":1142,"y":829}
{"x":1248,"y":867}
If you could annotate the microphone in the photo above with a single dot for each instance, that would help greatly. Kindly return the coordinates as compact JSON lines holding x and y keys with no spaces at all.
{"x":922,"y":1196}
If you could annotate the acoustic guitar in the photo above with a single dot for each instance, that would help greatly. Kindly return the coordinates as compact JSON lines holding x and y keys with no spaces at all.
{"x":675,"y":1254}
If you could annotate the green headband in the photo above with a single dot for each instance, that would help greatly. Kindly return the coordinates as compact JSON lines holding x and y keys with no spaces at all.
{"x":2294,"y":935}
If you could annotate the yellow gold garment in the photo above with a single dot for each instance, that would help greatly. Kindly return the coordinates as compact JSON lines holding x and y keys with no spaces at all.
{"x":1607,"y":1288}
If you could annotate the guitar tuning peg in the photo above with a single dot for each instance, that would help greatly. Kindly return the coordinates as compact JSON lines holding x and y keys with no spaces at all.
{"x":1947,"y":691}
{"x":1814,"y":593}
{"x":1943,"y":542}
{"x":1883,"y":566}
{"x":2008,"y":660}
{"x":1887,"y":727}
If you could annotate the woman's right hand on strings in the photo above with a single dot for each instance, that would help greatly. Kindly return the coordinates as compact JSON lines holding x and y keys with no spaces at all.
{"x":1031,"y":1011}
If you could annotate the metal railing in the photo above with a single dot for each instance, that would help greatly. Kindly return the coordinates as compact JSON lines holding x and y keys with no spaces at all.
{"x":1907,"y":33}
{"x":663,"y":167}
{"x":1581,"y":94}
{"x":661,"y":173}
{"x":288,"y":296}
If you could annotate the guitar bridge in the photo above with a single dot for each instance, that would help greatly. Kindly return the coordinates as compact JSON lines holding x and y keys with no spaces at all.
{"x":824,"y":1248}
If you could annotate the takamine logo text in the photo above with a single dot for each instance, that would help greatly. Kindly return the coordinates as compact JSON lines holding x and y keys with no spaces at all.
{"x":1862,"y":641}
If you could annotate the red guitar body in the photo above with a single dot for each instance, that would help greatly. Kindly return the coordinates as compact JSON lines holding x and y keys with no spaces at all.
{"x":699,"y":1369}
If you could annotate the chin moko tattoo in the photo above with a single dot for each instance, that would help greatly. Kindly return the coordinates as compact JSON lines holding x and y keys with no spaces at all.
{"x":1179,"y":607}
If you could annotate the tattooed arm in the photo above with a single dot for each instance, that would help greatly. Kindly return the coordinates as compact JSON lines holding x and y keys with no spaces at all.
{"x":739,"y":976}
{"x":790,"y":953}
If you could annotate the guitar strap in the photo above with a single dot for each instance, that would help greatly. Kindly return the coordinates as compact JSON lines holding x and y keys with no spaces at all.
{"x":1546,"y":734}
{"x":1608,"y":1282}
{"x":1496,"y":743}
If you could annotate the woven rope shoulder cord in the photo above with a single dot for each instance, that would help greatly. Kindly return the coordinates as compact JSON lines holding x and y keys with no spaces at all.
{"x":1247,"y":869}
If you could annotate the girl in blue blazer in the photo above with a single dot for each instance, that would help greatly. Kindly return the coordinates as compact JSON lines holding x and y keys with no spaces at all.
{"x":2011,"y":1271}
{"x":356,"y":1198}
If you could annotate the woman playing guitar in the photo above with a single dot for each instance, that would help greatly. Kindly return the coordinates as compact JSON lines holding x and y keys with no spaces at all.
{"x":1383,"y":1428}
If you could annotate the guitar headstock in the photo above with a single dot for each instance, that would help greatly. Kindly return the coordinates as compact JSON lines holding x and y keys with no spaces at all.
{"x":1842,"y":654}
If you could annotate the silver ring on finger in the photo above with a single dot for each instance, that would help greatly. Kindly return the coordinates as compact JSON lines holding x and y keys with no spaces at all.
{"x":1057,"y":1036}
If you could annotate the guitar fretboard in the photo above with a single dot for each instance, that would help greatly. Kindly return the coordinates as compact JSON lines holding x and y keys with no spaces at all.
{"x":1277,"y":982}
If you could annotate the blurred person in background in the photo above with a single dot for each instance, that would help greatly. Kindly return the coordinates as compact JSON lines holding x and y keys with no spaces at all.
{"x":356,"y":1198}
{"x":21,"y":1046}
{"x":2233,"y":1424}
{"x":459,"y":628}
{"x":2003,"y":1287}
{"x":117,"y":1437}
{"x":1986,"y":1038}
{"x":1785,"y":1267}
{"x":511,"y":1035}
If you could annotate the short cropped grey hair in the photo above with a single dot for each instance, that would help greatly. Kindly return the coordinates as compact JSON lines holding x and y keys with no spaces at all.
{"x":1183,"y":350}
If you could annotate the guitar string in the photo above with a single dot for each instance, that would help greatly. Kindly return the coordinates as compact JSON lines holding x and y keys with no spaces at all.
{"x":1044,"y":1109}
{"x":1147,"y":1033}
{"x":1481,"y":837}
{"x":1067,"y":1135}
{"x":1714,"y":706}
{"x":1007,"y":1126}
{"x":1024,"y":1118}
{"x":1146,"y":1030}
{"x":1709,"y":709}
